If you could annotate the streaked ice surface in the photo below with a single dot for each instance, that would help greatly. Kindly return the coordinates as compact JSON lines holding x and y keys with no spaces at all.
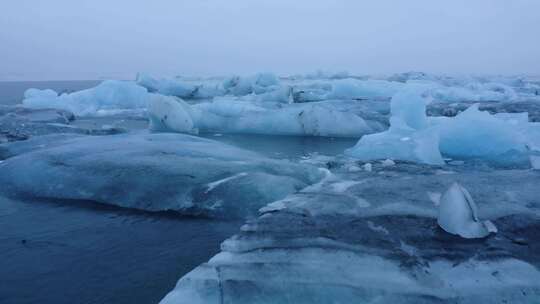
{"x":373,"y":236}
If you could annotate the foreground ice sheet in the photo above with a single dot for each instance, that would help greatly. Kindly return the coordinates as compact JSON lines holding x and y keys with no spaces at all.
{"x":373,"y":237}
{"x":155,"y":172}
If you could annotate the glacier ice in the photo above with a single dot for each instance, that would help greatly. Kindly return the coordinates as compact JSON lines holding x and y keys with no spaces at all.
{"x":108,"y":95}
{"x":154,"y":172}
{"x":458,"y":214}
{"x":474,"y":134}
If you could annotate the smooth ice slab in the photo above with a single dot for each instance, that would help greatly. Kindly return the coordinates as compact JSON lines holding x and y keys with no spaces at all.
{"x":154,"y":172}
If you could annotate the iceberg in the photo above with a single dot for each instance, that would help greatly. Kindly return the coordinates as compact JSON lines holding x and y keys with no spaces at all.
{"x":472,"y":134}
{"x":234,"y":116}
{"x":399,"y":142}
{"x":183,"y":88}
{"x":478,"y":134}
{"x":169,"y":113}
{"x":166,"y":86}
{"x":257,"y":84}
{"x":108,"y":95}
{"x":475,"y":92}
{"x":407,"y":138}
{"x":361,"y":89}
{"x":152,"y":172}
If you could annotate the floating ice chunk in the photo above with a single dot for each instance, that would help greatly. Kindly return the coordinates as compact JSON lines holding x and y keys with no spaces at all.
{"x":410,"y":106}
{"x":170,"y":114}
{"x":458,"y":214}
{"x":313,"y":119}
{"x":356,"y":89}
{"x":476,"y":92}
{"x":282,"y":94}
{"x":388,"y":163}
{"x":402,"y":140}
{"x":37,"y":93}
{"x":258,"y":84}
{"x":475,"y":133}
{"x":435,"y":197}
{"x":188,"y":89}
{"x":368,"y":167}
{"x":166,"y":86}
{"x":422,"y":146}
{"x":110,"y":94}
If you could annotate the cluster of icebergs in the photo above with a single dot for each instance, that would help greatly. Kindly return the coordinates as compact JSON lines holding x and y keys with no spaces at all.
{"x":413,"y":136}
{"x":385,"y":222}
{"x":266,"y":104}
{"x":268,"y":87}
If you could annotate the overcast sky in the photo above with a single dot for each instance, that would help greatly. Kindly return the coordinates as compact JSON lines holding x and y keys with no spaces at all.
{"x":79,"y":39}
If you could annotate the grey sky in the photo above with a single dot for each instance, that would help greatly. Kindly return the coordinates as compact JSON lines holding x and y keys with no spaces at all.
{"x":79,"y":39}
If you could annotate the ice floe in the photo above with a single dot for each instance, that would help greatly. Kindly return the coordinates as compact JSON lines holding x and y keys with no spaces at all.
{"x":154,"y":172}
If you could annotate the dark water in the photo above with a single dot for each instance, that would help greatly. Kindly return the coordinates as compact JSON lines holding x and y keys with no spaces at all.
{"x":286,"y":147}
{"x":12,"y":92}
{"x":58,"y":253}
